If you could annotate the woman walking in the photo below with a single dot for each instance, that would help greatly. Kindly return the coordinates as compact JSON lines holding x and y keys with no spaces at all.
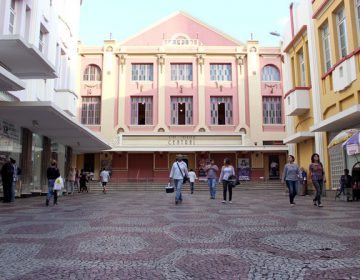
{"x":226,"y":171}
{"x":317,"y":176}
{"x":291,"y":176}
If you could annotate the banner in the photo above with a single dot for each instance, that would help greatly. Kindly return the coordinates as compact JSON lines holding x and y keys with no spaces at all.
{"x":9,"y":130}
{"x":244,"y":169}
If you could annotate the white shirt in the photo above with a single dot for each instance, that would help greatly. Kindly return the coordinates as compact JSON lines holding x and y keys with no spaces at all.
{"x":105,"y":176}
{"x":175,"y":171}
{"x":192,"y":176}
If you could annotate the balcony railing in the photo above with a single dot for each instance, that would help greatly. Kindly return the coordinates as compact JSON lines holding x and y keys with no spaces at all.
{"x":66,"y":100}
{"x":297,"y":101}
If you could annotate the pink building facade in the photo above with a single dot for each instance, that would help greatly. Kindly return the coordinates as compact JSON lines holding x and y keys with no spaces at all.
{"x":181,"y":86}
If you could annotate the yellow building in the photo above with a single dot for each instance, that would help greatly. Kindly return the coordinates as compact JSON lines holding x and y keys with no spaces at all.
{"x":322,"y":99}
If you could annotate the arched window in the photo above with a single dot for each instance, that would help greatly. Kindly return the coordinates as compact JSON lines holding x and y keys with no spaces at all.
{"x":92,"y":73}
{"x":270,"y":73}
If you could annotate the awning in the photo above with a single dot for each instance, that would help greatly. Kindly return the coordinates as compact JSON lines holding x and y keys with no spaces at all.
{"x":9,"y":82}
{"x":348,"y":118}
{"x":23,"y":59}
{"x":44,"y":118}
{"x":299,"y":137}
{"x":342,"y":137}
{"x":353,"y":144}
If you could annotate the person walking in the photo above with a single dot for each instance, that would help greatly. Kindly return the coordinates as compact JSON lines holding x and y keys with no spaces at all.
{"x":178,"y":172}
{"x":317,"y":176}
{"x":71,"y":181}
{"x":14,"y":180}
{"x":7,"y":177}
{"x":104,"y":177}
{"x":226,"y":171}
{"x":83,"y":180}
{"x":77,"y":180}
{"x":346,"y":182}
{"x":303,"y":181}
{"x":52,"y":174}
{"x":291,"y":176}
{"x":211,"y":173}
{"x":192,"y":178}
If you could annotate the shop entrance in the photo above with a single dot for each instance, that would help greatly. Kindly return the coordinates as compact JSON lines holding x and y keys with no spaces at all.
{"x":274,"y":172}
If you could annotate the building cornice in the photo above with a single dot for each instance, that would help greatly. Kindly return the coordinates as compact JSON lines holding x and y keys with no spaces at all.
{"x":297,"y":36}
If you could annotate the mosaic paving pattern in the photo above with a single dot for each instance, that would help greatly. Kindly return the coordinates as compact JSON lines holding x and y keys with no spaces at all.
{"x":129,"y":235}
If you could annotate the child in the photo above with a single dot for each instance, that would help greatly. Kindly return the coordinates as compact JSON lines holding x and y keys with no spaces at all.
{"x":192,"y":178}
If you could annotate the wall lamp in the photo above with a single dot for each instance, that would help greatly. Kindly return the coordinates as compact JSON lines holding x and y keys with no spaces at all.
{"x":161,"y":61}
{"x":35,"y":123}
{"x":240,"y":61}
{"x":200,"y":61}
{"x":122,"y":61}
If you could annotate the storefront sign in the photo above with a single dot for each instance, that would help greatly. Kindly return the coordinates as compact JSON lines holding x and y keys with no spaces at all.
{"x":9,"y":130}
{"x":353,"y":149}
{"x":181,"y":140}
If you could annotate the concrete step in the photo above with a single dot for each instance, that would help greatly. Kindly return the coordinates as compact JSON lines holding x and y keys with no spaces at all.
{"x":137,"y":186}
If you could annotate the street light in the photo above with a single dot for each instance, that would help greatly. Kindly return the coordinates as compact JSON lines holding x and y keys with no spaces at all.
{"x":275,"y":33}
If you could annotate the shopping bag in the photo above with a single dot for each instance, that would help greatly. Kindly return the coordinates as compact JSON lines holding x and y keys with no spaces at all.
{"x":59,"y":184}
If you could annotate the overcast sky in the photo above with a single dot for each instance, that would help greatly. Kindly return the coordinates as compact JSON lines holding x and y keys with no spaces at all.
{"x":237,"y":18}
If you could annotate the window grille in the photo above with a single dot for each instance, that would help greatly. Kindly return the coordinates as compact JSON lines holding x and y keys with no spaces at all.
{"x":272,"y":110}
{"x":135,"y":114}
{"x":142,"y":72}
{"x":92,"y":73}
{"x":181,"y":72}
{"x":217,"y":115}
{"x":175,"y":114}
{"x":270,"y":73}
{"x":90,"y":110}
{"x":220,"y":72}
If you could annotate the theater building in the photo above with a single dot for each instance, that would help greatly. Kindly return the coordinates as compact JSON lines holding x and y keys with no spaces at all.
{"x":182,"y":86}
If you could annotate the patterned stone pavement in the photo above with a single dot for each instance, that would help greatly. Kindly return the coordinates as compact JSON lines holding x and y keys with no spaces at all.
{"x":133,"y":235}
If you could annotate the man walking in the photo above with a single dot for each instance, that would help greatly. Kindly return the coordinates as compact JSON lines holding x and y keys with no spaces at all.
{"x":178,"y":172}
{"x":105,"y":177}
{"x":211,"y":173}
{"x":7,"y":177}
{"x":52,"y":174}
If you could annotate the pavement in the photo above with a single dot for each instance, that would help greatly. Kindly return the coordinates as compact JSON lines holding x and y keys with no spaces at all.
{"x":144,"y":235}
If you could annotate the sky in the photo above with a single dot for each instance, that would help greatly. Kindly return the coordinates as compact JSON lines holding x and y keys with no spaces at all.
{"x":236,"y":18}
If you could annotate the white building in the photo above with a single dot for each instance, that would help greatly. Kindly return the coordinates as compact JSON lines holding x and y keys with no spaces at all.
{"x":38,"y":60}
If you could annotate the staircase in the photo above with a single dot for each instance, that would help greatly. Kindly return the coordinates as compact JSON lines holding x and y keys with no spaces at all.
{"x":94,"y":186}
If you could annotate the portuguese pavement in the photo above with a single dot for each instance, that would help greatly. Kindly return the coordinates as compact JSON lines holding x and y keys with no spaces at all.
{"x":144,"y":235}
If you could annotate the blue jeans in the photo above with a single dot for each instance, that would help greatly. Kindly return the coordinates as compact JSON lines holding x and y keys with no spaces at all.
{"x":13,"y":190}
{"x":292,"y":186}
{"x":178,"y":186}
{"x":212,"y":187}
{"x":50,"y":188}
{"x":318,"y":184}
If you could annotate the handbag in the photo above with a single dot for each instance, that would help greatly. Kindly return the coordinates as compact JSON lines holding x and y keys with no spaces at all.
{"x":233,"y":181}
{"x":185,"y":178}
{"x":169,"y":188}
